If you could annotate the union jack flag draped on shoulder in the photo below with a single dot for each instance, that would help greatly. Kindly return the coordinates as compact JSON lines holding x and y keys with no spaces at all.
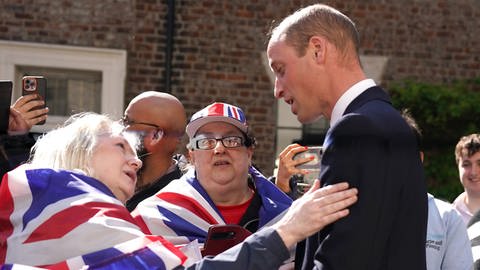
{"x":182,"y":211}
{"x":65,"y":220}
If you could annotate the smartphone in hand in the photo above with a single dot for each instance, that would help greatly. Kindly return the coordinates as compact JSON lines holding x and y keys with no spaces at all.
{"x":36,"y":85}
{"x":5,"y":99}
{"x":223,"y":237}
{"x":314,"y":153}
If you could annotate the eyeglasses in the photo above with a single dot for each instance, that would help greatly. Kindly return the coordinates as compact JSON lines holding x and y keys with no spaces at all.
{"x":210,"y":143}
{"x":128,"y":122}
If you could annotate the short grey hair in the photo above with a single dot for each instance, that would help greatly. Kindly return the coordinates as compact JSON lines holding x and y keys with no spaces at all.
{"x":322,"y":20}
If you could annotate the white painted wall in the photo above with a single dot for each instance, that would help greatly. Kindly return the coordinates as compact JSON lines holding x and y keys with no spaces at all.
{"x":112,"y":63}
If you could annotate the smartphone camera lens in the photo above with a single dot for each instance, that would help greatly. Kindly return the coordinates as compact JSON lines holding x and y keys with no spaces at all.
{"x":29,"y":85}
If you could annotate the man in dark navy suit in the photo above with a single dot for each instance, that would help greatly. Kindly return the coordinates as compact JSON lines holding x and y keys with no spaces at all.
{"x":314,"y":55}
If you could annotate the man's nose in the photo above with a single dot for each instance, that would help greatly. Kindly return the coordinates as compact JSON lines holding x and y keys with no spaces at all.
{"x":278,"y":90}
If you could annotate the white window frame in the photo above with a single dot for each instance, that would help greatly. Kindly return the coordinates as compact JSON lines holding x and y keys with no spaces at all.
{"x":112,"y":63}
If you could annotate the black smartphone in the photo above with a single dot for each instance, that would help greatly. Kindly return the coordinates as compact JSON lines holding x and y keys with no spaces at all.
{"x":5,"y":100}
{"x":223,"y":237}
{"x":36,"y":85}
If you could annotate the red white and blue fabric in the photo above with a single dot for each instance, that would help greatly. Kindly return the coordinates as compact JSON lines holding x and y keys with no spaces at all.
{"x":66,"y":220}
{"x":215,"y":112}
{"x":182,"y":211}
{"x":221,"y":109}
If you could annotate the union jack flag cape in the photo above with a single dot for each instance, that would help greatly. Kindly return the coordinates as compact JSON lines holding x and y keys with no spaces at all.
{"x":182,"y":211}
{"x":65,"y":220}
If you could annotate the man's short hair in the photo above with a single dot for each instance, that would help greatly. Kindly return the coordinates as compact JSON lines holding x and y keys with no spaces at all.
{"x":318,"y":20}
{"x":467,"y":145}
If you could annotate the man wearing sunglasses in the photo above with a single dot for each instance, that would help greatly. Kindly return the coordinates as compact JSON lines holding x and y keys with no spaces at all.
{"x":221,"y":188}
{"x":160,"y":120}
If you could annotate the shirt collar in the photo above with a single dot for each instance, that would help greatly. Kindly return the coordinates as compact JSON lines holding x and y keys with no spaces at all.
{"x":347,"y":97}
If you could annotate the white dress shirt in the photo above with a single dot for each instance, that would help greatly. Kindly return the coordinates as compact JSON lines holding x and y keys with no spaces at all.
{"x":347,"y":97}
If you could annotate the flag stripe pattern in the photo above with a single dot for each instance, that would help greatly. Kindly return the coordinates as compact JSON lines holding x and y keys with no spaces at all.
{"x":217,"y":111}
{"x":182,"y":211}
{"x":65,"y":220}
{"x":221,"y":109}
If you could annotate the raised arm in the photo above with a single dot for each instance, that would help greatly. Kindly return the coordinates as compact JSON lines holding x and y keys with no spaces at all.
{"x":267,"y":249}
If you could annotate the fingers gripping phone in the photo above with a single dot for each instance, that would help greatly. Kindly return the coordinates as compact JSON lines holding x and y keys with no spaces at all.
{"x":313,"y":166}
{"x":5,"y":99}
{"x":36,"y":85}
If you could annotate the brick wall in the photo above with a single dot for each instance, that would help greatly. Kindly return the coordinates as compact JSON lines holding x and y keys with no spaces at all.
{"x":218,"y":44}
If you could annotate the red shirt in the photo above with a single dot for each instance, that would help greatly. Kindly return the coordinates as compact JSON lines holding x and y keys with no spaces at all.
{"x":232,"y":214}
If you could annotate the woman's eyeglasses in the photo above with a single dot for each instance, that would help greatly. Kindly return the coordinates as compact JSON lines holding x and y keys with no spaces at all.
{"x":210,"y":143}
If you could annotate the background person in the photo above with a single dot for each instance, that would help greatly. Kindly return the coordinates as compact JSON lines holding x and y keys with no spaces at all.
{"x":314,"y":56}
{"x":467,"y":156}
{"x":447,"y":246}
{"x":221,"y":188}
{"x":162,"y":119}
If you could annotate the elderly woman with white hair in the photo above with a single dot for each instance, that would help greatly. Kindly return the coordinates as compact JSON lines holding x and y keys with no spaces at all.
{"x":65,"y":209}
{"x":68,"y":201}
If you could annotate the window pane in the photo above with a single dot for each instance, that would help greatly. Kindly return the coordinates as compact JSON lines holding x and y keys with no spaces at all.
{"x":69,"y":91}
{"x":314,"y":133}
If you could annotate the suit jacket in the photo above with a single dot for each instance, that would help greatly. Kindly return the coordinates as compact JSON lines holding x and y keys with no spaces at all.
{"x":375,"y":150}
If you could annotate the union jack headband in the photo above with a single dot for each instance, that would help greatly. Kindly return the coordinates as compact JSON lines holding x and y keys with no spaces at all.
{"x":217,"y":112}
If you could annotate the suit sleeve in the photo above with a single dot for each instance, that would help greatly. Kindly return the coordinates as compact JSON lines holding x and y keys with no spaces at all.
{"x":381,"y":164}
{"x":262,"y":250}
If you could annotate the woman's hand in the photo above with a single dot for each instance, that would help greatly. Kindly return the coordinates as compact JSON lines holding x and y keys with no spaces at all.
{"x":21,"y":119}
{"x":287,"y":166}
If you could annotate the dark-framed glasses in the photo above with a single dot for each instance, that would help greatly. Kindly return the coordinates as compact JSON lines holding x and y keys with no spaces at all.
{"x":210,"y":143}
{"x":128,"y":122}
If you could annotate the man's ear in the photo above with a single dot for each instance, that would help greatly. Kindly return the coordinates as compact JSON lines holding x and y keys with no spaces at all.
{"x":156,"y":136}
{"x":151,"y":139}
{"x":317,"y":47}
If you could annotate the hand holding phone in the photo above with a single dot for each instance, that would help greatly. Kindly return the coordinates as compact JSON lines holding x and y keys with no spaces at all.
{"x":312,"y":167}
{"x":35,"y":85}
{"x":223,"y":237}
{"x":22,"y":118}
